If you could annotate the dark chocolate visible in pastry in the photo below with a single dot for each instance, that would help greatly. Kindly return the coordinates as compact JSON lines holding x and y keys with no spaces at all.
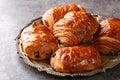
{"x":38,"y":42}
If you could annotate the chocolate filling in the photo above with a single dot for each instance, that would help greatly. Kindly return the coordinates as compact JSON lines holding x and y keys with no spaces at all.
{"x":53,"y":55}
{"x":37,"y":54}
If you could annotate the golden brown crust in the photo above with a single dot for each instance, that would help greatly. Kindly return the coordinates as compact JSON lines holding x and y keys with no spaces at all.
{"x":108,"y":39}
{"x":51,"y":16}
{"x":38,"y":42}
{"x":75,"y":28}
{"x":75,"y":59}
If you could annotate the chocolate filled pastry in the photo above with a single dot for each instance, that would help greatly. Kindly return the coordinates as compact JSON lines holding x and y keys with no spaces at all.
{"x":75,"y":28}
{"x":38,"y":42}
{"x":51,"y":16}
{"x":75,"y":59}
{"x":107,"y":40}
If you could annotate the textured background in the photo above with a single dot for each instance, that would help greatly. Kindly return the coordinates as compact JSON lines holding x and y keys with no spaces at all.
{"x":14,"y":14}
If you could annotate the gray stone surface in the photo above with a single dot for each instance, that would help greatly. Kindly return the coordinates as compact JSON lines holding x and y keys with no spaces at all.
{"x":14,"y":14}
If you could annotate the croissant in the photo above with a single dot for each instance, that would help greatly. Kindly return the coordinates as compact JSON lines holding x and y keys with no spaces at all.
{"x":38,"y":42}
{"x":75,"y":59}
{"x":107,"y":40}
{"x":51,"y":16}
{"x":75,"y":28}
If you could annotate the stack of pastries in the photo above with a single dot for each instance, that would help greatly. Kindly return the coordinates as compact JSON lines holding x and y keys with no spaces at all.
{"x":71,"y":26}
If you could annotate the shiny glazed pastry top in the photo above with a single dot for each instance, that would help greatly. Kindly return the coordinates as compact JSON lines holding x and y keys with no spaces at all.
{"x":51,"y":16}
{"x":107,"y":39}
{"x":38,"y":42}
{"x":75,"y":28}
{"x":75,"y":59}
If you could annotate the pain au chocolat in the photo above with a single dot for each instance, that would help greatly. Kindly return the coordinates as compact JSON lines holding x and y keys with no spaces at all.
{"x":75,"y":59}
{"x":38,"y":42}
{"x":107,"y":40}
{"x":75,"y":28}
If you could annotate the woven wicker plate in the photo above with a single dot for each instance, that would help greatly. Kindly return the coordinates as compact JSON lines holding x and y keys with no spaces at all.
{"x":108,"y":62}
